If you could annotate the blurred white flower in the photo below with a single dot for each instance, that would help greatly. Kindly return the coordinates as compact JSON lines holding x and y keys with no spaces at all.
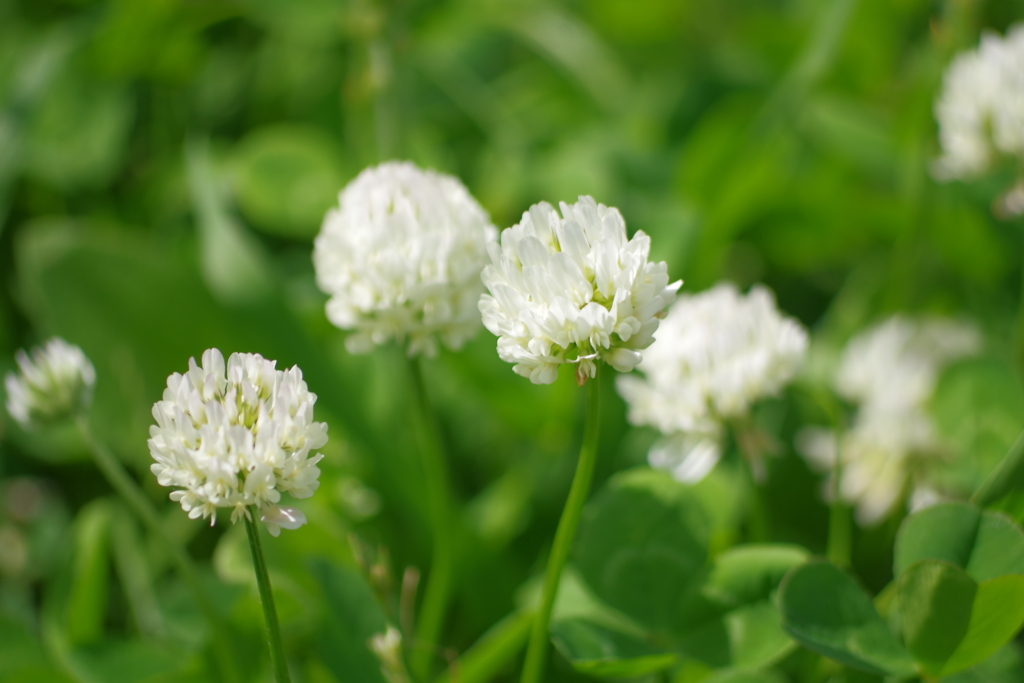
{"x":52,"y":383}
{"x":890,"y":372}
{"x":401,"y":259}
{"x":717,"y":353}
{"x":573,"y":289}
{"x":981,"y":108}
{"x":236,"y":436}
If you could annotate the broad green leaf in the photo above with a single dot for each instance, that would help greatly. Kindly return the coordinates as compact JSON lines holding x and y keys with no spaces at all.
{"x":600,"y":651}
{"x":746,"y":676}
{"x":932,"y":610}
{"x":997,"y":616}
{"x":733,"y":621}
{"x":984,"y":544}
{"x":1005,"y":666}
{"x":129,"y":661}
{"x":828,"y":612}
{"x":642,"y":544}
{"x":353,"y":616}
{"x":286,"y":177}
{"x":87,"y":601}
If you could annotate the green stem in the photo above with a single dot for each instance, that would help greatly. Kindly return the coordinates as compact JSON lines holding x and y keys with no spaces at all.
{"x":1008,"y":475}
{"x":536,"y":651}
{"x":840,"y":532}
{"x":266,"y":597}
{"x":133,"y":495}
{"x":442,"y":522}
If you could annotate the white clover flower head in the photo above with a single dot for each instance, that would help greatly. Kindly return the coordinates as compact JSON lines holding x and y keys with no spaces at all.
{"x":717,"y":353}
{"x":889,"y":372}
{"x":573,"y":289}
{"x":981,"y":108}
{"x":401,"y":259}
{"x":52,"y":383}
{"x":236,"y":436}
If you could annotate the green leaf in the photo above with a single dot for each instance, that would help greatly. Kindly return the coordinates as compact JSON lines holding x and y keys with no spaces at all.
{"x":733,"y":621}
{"x":642,"y":543}
{"x":984,"y":544}
{"x":19,"y":648}
{"x":286,"y":177}
{"x":87,"y":602}
{"x":1005,"y":666}
{"x":932,"y":610}
{"x":949,"y":621}
{"x":746,"y":676}
{"x":997,"y":616}
{"x":596,"y":650}
{"x":353,"y":617}
{"x":826,"y":611}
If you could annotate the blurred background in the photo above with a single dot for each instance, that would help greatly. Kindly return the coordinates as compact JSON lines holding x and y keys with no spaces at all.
{"x":164,"y":168}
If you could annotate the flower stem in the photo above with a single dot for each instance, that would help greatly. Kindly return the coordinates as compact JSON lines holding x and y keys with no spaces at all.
{"x":133,"y":495}
{"x":839,"y":529}
{"x":536,"y":651}
{"x":266,"y":597}
{"x":442,"y":522}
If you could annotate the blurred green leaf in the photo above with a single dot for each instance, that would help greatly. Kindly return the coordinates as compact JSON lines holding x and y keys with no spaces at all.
{"x":353,"y":617}
{"x":996,"y":618}
{"x":1006,"y":666}
{"x":20,"y":649}
{"x":642,"y":544}
{"x":746,"y":677}
{"x":79,"y":133}
{"x":826,"y":611}
{"x":597,"y":650}
{"x":984,"y":544}
{"x":286,"y":177}
{"x":87,"y":601}
{"x":733,"y":620}
{"x":979,"y":407}
{"x":932,"y":610}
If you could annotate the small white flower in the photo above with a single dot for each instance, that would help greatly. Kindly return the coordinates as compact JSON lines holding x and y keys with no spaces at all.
{"x":981,"y":108}
{"x":717,"y":353}
{"x":890,"y":372}
{"x":52,"y":383}
{"x":387,"y":647}
{"x":573,"y":289}
{"x":235,"y":436}
{"x":401,"y":259}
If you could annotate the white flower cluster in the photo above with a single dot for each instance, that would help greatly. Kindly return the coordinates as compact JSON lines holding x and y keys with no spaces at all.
{"x":890,"y":371}
{"x":401,"y":259}
{"x":717,"y":353}
{"x":52,"y":383}
{"x":981,"y":108}
{"x":236,"y":436}
{"x":573,"y":289}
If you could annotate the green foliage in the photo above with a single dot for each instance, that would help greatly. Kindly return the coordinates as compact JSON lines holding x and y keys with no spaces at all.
{"x":826,"y":611}
{"x":165,"y":166}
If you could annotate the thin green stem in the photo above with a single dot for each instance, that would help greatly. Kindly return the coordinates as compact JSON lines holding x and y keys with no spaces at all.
{"x":536,"y":651}
{"x":267,"y":598}
{"x":133,"y":495}
{"x":442,"y":522}
{"x":840,"y":532}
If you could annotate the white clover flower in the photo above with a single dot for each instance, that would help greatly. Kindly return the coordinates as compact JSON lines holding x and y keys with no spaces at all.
{"x":401,"y":259}
{"x":717,"y":353}
{"x":981,"y":108}
{"x":237,"y":436}
{"x":51,"y":384}
{"x":573,"y":289}
{"x":890,"y":372}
